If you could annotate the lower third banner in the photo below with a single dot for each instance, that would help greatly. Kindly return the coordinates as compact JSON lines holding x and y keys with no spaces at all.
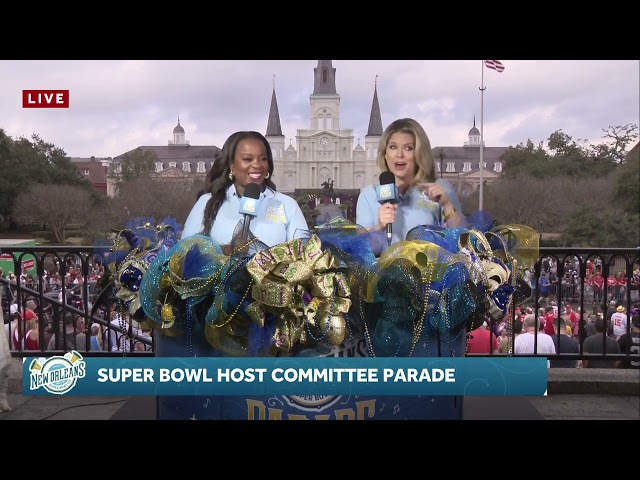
{"x":303,"y":376}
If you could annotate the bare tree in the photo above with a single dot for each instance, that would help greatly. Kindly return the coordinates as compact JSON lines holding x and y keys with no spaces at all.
{"x":56,"y":206}
{"x":157,"y":198}
{"x":541,"y":203}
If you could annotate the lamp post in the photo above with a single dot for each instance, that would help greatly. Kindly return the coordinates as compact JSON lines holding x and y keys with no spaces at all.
{"x":441,"y":160}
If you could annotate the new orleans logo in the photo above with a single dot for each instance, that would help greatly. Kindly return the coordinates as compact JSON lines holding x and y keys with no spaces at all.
{"x":57,"y":374}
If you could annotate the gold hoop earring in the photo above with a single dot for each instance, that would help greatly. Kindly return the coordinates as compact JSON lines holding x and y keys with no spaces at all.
{"x":267,"y":175}
{"x":230,"y":175}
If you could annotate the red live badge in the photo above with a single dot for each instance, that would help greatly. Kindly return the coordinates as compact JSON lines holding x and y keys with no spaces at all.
{"x":45,"y":99}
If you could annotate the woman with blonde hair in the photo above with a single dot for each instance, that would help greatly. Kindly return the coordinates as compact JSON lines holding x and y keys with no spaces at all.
{"x":405,"y":151}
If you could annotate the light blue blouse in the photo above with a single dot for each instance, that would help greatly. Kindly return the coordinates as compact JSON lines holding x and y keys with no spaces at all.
{"x":414,"y":209}
{"x":279,"y":218}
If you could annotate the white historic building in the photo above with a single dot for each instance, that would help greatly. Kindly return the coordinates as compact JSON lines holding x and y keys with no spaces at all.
{"x":324,"y":151}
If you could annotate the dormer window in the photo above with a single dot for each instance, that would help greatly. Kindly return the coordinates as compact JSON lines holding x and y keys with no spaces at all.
{"x":484,"y":165}
{"x":201,"y":168}
{"x":158,"y":166}
{"x":451,"y":167}
{"x":172,"y":164}
{"x":466,"y":167}
{"x":497,"y":167}
{"x":186,"y":166}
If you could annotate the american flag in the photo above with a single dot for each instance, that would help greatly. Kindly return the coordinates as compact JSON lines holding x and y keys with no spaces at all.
{"x":494,"y":65}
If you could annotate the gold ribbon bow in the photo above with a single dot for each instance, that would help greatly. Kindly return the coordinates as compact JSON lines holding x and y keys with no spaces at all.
{"x":287,"y":273}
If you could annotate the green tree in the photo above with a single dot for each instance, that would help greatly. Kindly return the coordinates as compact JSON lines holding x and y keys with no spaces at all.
{"x":526,"y":159}
{"x":627,"y":189}
{"x":24,"y":162}
{"x":601,"y":227}
{"x":565,"y":156}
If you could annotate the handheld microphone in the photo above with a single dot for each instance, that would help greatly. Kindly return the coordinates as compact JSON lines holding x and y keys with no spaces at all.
{"x":387,"y":192}
{"x":249,"y":206}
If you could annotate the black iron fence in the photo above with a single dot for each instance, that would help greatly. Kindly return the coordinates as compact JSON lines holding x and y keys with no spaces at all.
{"x":560,"y":276}
{"x":61,"y":293}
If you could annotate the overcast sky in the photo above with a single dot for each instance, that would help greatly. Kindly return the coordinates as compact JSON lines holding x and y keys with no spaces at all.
{"x":118,"y":105}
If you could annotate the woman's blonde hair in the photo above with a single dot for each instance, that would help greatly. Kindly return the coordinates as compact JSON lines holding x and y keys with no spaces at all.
{"x":425,"y":164}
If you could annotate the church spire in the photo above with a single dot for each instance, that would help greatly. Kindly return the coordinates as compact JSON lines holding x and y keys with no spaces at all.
{"x":273,"y":123}
{"x":375,"y":120}
{"x":324,"y":78}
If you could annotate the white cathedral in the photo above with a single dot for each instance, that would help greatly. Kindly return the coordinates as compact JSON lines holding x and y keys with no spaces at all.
{"x":324,"y":151}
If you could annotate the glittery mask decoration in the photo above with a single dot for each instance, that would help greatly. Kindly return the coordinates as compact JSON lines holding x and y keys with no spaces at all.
{"x":140,"y":242}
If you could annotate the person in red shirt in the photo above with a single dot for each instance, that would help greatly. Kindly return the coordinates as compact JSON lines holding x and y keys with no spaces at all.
{"x":612,"y":287}
{"x":598,"y":285}
{"x":572,"y":318}
{"x":29,"y":332}
{"x":621,"y":285}
{"x":481,"y":340}
{"x":549,"y":319}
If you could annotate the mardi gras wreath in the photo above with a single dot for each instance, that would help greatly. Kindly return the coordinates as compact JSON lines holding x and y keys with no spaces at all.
{"x":320,"y":290}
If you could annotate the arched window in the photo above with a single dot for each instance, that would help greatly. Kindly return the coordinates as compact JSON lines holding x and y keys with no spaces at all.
{"x":328,"y":124}
{"x":325,"y":75}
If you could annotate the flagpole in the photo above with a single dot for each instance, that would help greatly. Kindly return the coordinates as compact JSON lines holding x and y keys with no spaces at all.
{"x":482,"y":89}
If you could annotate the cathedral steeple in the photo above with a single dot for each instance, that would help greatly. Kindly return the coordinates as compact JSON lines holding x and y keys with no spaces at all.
{"x":273,"y":123}
{"x":375,"y":120}
{"x":324,"y":78}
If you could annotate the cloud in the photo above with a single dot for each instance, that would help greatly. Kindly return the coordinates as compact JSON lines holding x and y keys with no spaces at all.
{"x":118,"y":105}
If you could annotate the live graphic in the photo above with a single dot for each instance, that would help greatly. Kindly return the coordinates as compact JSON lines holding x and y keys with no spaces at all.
{"x":45,"y":99}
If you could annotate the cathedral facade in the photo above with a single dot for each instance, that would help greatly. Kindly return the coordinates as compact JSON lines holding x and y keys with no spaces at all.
{"x":324,"y":152}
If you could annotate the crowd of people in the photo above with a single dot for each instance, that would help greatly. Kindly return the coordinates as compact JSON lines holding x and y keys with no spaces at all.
{"x":563,"y":330}
{"x":116,"y":335}
{"x":25,"y":317}
{"x":551,"y":284}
